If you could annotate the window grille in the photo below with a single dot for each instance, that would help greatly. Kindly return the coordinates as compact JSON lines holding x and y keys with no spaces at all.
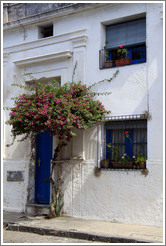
{"x":135,"y":143}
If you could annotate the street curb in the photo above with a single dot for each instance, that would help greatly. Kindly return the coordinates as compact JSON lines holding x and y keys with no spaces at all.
{"x":73,"y":234}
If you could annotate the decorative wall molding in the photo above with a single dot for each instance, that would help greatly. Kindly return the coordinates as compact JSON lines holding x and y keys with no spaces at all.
{"x":63,"y":55}
{"x":80,"y":42}
{"x":5,"y":57}
{"x":75,"y":37}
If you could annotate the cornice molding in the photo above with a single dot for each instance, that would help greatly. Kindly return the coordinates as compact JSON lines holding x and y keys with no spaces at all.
{"x":79,"y":36}
{"x":79,"y":42}
{"x":52,"y":15}
{"x":63,"y":55}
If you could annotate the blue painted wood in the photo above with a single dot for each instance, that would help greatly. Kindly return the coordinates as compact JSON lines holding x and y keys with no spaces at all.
{"x":108,"y":140}
{"x":44,"y":144}
{"x":129,"y":144}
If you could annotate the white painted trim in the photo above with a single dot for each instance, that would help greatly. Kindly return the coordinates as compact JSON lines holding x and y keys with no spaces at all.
{"x":76,"y":36}
{"x":100,"y":146}
{"x":63,"y":55}
{"x":161,"y":17}
{"x":154,"y":162}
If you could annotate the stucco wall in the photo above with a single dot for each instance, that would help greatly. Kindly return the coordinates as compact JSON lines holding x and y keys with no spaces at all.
{"x":15,"y":192}
{"x":122,"y":196}
{"x":117,"y":196}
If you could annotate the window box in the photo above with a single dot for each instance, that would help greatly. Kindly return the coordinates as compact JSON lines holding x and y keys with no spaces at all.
{"x":122,"y":165}
{"x":122,"y":62}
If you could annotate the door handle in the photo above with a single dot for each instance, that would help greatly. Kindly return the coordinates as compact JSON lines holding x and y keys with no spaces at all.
{"x":38,"y":163}
{"x":46,"y":180}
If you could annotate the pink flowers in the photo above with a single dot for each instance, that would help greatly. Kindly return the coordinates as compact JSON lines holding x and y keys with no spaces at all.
{"x":45,"y":106}
{"x":48,"y":122}
{"x":59,"y":110}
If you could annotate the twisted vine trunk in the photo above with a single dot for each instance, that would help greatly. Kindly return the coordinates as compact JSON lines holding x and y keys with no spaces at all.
{"x":56,"y":186}
{"x":59,"y":167}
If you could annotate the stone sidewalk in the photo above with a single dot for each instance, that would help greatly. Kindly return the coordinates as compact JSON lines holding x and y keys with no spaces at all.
{"x":92,"y":230}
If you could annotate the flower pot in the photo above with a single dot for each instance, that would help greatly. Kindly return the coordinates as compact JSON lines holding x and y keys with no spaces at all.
{"x":141,"y":165}
{"x":122,"y":165}
{"x":127,"y":61}
{"x":120,"y":62}
{"x":123,"y":62}
{"x":117,"y":62}
{"x":105,"y":163}
{"x":108,"y":64}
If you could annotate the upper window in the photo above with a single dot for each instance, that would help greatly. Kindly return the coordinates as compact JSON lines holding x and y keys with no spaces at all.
{"x":124,"y":41}
{"x":126,"y":143}
{"x":46,"y":31}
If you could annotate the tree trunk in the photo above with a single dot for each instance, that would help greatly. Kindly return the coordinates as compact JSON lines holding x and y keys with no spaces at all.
{"x":59,"y":168}
{"x":56,"y":191}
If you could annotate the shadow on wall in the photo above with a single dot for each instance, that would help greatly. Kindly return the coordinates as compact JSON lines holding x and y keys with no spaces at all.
{"x":120,"y":196}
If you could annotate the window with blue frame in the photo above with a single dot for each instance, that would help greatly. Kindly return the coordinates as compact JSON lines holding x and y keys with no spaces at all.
{"x":127,"y":138}
{"x":130,"y":35}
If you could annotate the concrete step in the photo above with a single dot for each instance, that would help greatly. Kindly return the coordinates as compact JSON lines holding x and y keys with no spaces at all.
{"x":38,"y":209}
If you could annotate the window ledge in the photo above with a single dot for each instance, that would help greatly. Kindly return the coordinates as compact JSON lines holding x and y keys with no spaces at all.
{"x":123,"y":169}
{"x":123,"y":65}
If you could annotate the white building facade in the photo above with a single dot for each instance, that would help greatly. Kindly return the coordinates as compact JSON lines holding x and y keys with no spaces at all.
{"x":47,"y":41}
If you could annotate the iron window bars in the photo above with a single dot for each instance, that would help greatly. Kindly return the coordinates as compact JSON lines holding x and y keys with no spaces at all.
{"x":135,"y":143}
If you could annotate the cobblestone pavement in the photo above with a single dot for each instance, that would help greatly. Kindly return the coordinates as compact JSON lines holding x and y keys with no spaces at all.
{"x":25,"y":237}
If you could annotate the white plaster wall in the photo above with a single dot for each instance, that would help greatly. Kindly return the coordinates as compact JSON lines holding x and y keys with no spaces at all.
{"x":15,"y":192}
{"x":120,"y":196}
{"x":117,"y":196}
{"x":155,"y":82}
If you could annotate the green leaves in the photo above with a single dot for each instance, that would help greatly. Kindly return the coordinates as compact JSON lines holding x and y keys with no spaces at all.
{"x":73,"y":134}
{"x":58,"y":109}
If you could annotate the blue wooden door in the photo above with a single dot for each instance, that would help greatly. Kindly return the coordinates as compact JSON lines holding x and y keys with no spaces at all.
{"x":43,"y":166}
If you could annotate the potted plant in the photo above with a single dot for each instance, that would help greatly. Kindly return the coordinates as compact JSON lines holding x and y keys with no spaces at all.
{"x":140,"y":161}
{"x":126,"y":161}
{"x":108,"y":63}
{"x":122,"y":56}
{"x":105,"y":163}
{"x":115,"y":159}
{"x":119,"y":162}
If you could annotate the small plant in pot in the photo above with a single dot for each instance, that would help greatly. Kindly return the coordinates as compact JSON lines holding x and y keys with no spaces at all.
{"x":127,"y":161}
{"x":115,"y":159}
{"x":119,"y":162}
{"x":140,"y":161}
{"x":122,"y":56}
{"x":108,"y":63}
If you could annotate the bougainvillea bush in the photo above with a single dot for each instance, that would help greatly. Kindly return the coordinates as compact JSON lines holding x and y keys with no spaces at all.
{"x":58,"y":110}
